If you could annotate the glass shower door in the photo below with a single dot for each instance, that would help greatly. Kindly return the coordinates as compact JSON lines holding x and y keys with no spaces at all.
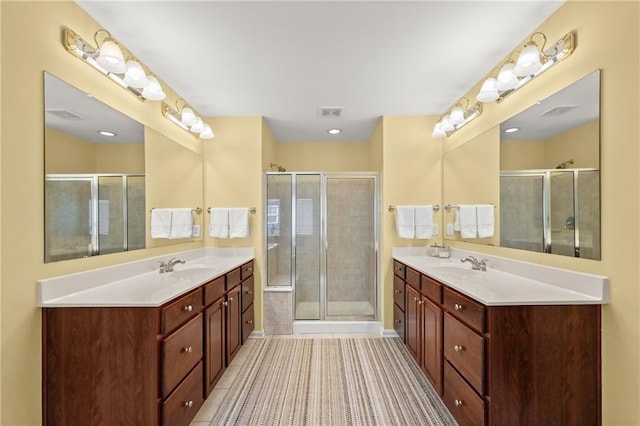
{"x":350,"y":247}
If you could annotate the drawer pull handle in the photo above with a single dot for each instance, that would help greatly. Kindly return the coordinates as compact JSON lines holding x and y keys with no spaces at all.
{"x":230,"y":299}
{"x":187,"y":349}
{"x":420,"y":302}
{"x":188,"y":308}
{"x":458,"y":348}
{"x":188,"y":404}
{"x":458,"y":306}
{"x":225,"y":303}
{"x":249,"y":322}
{"x":249,"y":269}
{"x":458,"y":402}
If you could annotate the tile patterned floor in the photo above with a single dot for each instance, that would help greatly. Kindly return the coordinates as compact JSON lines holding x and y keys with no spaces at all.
{"x":211,"y":405}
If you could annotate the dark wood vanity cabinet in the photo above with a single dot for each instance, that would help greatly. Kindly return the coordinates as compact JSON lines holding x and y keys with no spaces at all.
{"x":140,"y":365}
{"x":506,"y":365}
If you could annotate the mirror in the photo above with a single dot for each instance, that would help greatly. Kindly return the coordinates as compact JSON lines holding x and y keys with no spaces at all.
{"x":94,"y":176}
{"x":546,"y":188}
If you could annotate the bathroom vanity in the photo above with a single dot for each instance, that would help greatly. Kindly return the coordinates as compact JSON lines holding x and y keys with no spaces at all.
{"x":501,"y":348}
{"x":145,"y":349}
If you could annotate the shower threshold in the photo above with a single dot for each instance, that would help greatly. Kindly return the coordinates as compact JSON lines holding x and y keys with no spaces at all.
{"x":328,"y":326}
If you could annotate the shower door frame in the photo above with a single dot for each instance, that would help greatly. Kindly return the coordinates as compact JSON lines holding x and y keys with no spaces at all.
{"x":545,"y":174}
{"x":324,"y":176}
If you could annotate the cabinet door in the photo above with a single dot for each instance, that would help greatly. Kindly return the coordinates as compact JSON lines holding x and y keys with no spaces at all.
{"x":413,"y":329}
{"x":432,"y":343}
{"x":214,"y":333}
{"x":233,"y":323}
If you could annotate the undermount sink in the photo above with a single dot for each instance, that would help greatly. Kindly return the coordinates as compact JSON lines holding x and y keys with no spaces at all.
{"x":454,"y":271}
{"x":194,"y":270}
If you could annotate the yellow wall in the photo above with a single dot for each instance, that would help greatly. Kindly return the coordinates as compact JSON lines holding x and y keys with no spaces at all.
{"x":324,"y":156}
{"x":581,"y":144}
{"x":269,"y":147}
{"x":65,"y":153}
{"x":35,"y":27}
{"x":376,"y":148}
{"x":233,"y":175}
{"x":599,"y":25}
{"x":412,"y":174}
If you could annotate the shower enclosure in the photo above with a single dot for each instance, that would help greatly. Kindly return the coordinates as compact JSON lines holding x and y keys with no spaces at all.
{"x":93,"y":214}
{"x":553,"y":211}
{"x":321,"y":234}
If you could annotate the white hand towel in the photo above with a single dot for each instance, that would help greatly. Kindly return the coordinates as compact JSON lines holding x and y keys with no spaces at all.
{"x":239,"y":222}
{"x":219,"y":223}
{"x":405,"y":222}
{"x":468,"y":221}
{"x":181,"y":223}
{"x":486,"y":214}
{"x":424,"y":221}
{"x":456,"y":219}
{"x":160,"y":223}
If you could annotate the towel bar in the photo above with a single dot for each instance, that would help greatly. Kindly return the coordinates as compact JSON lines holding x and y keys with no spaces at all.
{"x":436,"y":207}
{"x":252,"y":210}
{"x":448,"y":207}
{"x":197,"y":210}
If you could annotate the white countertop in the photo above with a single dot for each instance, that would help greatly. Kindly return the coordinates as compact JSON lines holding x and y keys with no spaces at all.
{"x":140,"y":283}
{"x":508,"y":282}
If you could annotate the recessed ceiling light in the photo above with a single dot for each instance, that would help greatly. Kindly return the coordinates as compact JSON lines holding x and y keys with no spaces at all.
{"x":106,"y":133}
{"x":511,"y":129}
{"x":334,"y":131}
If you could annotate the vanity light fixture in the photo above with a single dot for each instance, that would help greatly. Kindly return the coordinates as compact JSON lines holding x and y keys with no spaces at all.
{"x":108,"y":59}
{"x":185,"y":117}
{"x":455,"y":118}
{"x":532,"y":61}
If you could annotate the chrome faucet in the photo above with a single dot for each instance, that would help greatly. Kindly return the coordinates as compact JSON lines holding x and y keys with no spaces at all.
{"x":169,"y":265}
{"x":478,"y":265}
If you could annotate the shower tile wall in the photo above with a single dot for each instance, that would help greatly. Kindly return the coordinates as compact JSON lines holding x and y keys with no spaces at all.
{"x":589,"y":207}
{"x":278,"y":312}
{"x":308,"y":245}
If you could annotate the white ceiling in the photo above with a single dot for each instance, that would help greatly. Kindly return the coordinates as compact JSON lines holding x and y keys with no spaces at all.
{"x":284,"y":60}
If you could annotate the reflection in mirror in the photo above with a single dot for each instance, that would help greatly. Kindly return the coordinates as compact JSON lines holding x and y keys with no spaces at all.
{"x":94,"y":176}
{"x":550,"y":178}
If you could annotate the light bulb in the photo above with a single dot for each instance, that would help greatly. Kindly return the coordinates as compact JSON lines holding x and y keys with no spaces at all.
{"x":188,"y":117}
{"x":506,"y":79}
{"x":457,"y":116}
{"x":110,"y":58}
{"x":153,"y":90}
{"x":135,"y":76}
{"x":198,"y":126}
{"x":446,"y":125}
{"x":207,"y":133}
{"x":488,"y":91}
{"x":438,"y":132}
{"x":528,"y":62}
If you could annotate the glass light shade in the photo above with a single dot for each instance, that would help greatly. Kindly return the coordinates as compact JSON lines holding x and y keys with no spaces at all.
{"x":507,"y":80}
{"x":438,"y":132}
{"x":528,"y":62}
{"x":135,"y":76}
{"x":488,"y":91}
{"x":153,"y":90}
{"x":207,"y":133}
{"x":188,"y":117}
{"x":198,"y":127}
{"x":446,"y":125}
{"x":110,"y":58}
{"x":457,"y":116}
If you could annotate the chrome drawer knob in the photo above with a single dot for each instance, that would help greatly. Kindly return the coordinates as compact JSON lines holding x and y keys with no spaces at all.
{"x":230,"y":299}
{"x":458,"y":306}
{"x":188,"y":404}
{"x":420,"y":302}
{"x":187,"y":349}
{"x":249,"y":292}
{"x":188,"y":308}
{"x":249,"y":322}
{"x":397,"y":291}
{"x":458,"y":402}
{"x":398,"y":321}
{"x":458,"y":348}
{"x":225,"y":303}
{"x":249,"y":269}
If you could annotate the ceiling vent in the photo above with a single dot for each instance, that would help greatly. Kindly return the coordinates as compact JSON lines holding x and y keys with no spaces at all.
{"x":558,"y":110}
{"x":330,"y":112}
{"x":65,"y":114}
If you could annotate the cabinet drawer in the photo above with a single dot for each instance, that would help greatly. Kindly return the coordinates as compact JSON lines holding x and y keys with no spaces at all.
{"x":465,"y":309}
{"x":246,"y":270}
{"x":465,"y":350}
{"x":233,"y":278}
{"x":398,"y":269}
{"x":463,"y":403}
{"x":432,"y":289}
{"x":398,"y":291}
{"x":181,"y":407}
{"x":180,"y":352}
{"x":181,"y":310}
{"x":247,"y":324}
{"x":413,"y":278}
{"x":247,"y":293}
{"x":398,"y":321}
{"x":213,"y":290}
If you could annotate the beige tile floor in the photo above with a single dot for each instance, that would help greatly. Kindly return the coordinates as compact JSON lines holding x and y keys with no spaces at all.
{"x":208,"y":410}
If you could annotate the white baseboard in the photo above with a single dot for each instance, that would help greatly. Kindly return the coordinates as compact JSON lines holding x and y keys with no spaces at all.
{"x":319,"y":327}
{"x":389,"y":333}
{"x":256,"y":335}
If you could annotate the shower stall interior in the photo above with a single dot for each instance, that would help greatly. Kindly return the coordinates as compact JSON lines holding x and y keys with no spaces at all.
{"x":553,"y":211}
{"x":321,"y":234}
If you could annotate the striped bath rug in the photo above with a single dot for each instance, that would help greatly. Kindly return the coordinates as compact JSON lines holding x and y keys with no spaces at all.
{"x":345,"y":381}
